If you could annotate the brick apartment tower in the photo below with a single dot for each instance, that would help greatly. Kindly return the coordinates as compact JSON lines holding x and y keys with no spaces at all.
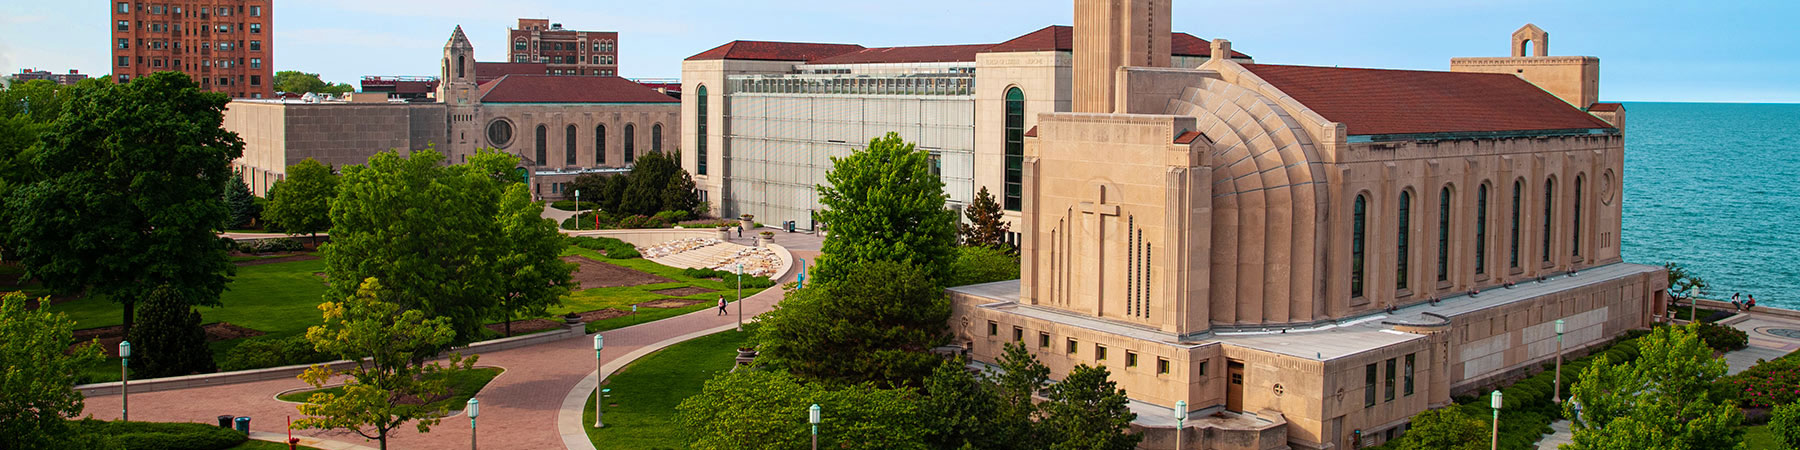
{"x":563,"y":51}
{"x":226,"y":45}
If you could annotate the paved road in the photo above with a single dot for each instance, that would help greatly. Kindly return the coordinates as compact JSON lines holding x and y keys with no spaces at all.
{"x":518,"y":409}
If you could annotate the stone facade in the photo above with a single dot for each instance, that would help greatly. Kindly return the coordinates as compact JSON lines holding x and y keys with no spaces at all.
{"x":279,"y":133}
{"x":1305,"y":268}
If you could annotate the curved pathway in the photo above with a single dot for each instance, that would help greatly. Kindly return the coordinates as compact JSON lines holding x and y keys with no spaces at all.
{"x":519,"y":409}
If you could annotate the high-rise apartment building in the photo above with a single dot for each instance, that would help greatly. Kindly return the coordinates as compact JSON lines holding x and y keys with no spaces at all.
{"x":226,"y":45}
{"x":564,"y":51}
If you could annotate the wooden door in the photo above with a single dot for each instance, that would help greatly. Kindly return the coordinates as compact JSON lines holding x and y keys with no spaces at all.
{"x":1234,"y":388}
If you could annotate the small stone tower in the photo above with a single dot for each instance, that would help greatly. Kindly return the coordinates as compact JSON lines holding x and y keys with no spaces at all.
{"x":1110,"y":34}
{"x":458,"y":82}
{"x":1575,"y":79}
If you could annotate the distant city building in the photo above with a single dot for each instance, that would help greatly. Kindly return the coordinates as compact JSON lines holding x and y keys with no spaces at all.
{"x":74,"y":76}
{"x":405,"y":88}
{"x":560,"y":127}
{"x":563,"y":51}
{"x":225,"y":45}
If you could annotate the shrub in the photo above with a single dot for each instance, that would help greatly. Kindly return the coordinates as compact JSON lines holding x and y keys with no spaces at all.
{"x":1768,"y":384}
{"x":1723,"y":338}
{"x":612,"y":248}
{"x":569,"y":205}
{"x":162,"y":436}
{"x":977,"y":264}
{"x":586,"y":219}
{"x":271,"y":245}
{"x":268,"y":351}
{"x":729,"y":277}
{"x":640,"y":221}
{"x":1784,"y":423}
{"x":668,"y":217}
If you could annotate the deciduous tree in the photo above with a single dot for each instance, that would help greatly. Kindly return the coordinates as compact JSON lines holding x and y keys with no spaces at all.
{"x":38,"y":374}
{"x":877,"y":323}
{"x":768,"y":409}
{"x":884,"y":204}
{"x":1088,"y":411}
{"x":1447,"y":428}
{"x":986,"y":225}
{"x":532,"y":271}
{"x":131,"y":193}
{"x":301,"y":203}
{"x":1784,"y":423}
{"x":389,"y":386}
{"x":1664,"y":399}
{"x":297,"y":82}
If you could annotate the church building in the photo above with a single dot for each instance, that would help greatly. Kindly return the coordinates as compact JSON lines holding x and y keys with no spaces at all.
{"x":1309,"y":256}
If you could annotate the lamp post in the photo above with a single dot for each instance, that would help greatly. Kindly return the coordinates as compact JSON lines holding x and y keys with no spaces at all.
{"x":1557,"y":396}
{"x":812,"y":416}
{"x":740,"y":297}
{"x":1180,"y":421}
{"x":1496,"y":406}
{"x":577,"y":209}
{"x":600,"y":342}
{"x":474,"y":410}
{"x":124,"y":380}
{"x":1693,"y":302}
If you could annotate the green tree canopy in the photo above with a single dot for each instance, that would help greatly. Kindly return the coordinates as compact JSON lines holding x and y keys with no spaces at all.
{"x":244,"y":210}
{"x":884,"y":204}
{"x":986,"y":225}
{"x":1088,"y":411}
{"x":877,"y":323}
{"x":37,"y":385}
{"x":656,"y":183}
{"x":768,"y":409}
{"x":389,"y":386}
{"x":1448,"y":428}
{"x":131,"y":198}
{"x":982,"y":264}
{"x":429,"y":231}
{"x":1665,"y":399}
{"x":1784,"y":423}
{"x":297,"y":82}
{"x":301,"y":203}
{"x":533,"y":274}
{"x":170,"y":342}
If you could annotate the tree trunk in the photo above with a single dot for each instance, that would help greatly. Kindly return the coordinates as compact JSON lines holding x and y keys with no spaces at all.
{"x":130,"y":310}
{"x":509,"y":323}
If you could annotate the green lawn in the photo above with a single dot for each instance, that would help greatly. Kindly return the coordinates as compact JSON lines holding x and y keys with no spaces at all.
{"x":640,"y":413}
{"x":463,"y":384}
{"x":621,"y":298}
{"x":1760,"y":438}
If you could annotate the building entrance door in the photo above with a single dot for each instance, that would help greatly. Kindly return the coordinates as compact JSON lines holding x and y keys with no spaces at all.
{"x":1234,"y":387}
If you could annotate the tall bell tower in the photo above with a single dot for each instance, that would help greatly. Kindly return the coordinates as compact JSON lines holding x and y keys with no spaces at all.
{"x":458,"y":85}
{"x":1110,"y":34}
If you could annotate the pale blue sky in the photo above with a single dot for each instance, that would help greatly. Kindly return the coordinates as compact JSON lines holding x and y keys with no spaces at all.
{"x":1734,"y":51}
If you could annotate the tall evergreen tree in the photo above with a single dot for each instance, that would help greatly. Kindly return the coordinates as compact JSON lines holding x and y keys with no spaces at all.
{"x":301,"y":203}
{"x":170,"y":341}
{"x":986,"y":225}
{"x":1088,"y":411}
{"x":884,"y":204}
{"x":132,"y":192}
{"x":241,"y":203}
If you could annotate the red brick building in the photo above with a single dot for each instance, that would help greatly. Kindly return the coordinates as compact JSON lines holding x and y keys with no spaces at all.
{"x":74,"y":76}
{"x":563,"y":51}
{"x":226,"y":45}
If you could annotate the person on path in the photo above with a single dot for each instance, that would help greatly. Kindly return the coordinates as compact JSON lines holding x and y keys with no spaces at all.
{"x":740,"y":229}
{"x":721,"y":305}
{"x":1735,"y":304}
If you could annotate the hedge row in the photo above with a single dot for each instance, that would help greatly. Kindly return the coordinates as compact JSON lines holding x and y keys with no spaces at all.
{"x":161,"y":436}
{"x":271,"y":351}
{"x":612,"y":248}
{"x":751,"y":281}
{"x":569,"y":205}
{"x":272,"y":245}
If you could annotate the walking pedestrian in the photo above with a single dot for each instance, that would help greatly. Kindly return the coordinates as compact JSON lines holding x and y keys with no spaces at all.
{"x":1735,"y":304}
{"x":740,"y":229}
{"x":721,"y":305}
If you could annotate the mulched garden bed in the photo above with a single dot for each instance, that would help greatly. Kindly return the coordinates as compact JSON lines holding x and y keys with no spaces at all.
{"x":526,"y":326}
{"x":682,"y":291}
{"x":279,"y":259}
{"x":591,"y":274}
{"x":602,"y":314}
{"x":669,"y":303}
{"x":110,"y":336}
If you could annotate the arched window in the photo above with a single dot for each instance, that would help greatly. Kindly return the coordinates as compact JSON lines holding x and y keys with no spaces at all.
{"x":569,"y":146}
{"x":1405,"y":241}
{"x":1443,"y":241}
{"x":1015,"y":148}
{"x":700,"y":120}
{"x":1481,"y":203}
{"x":1512,"y":257}
{"x":600,"y":145}
{"x":630,"y":144}
{"x":1549,"y":197}
{"x":656,"y":138}
{"x":1575,"y":241}
{"x":1359,"y":218}
{"x":459,"y":66}
{"x":542,"y":137}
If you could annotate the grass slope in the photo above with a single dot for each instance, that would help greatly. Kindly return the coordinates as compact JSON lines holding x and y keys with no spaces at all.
{"x":640,"y":414}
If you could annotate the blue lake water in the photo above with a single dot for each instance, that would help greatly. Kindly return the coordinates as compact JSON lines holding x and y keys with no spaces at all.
{"x":1716,"y":187}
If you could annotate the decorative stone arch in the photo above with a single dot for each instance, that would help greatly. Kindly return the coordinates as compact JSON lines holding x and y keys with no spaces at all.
{"x":1530,"y":39}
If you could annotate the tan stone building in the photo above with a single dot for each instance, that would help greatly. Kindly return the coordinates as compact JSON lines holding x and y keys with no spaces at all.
{"x":1308,"y":256}
{"x":560,"y":127}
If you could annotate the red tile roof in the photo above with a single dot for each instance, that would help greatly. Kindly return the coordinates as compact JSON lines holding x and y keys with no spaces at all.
{"x":569,"y":89}
{"x":928,"y":53}
{"x":1187,"y":137}
{"x":1606,"y":107}
{"x":488,"y":71}
{"x":1380,"y":101}
{"x":1062,"y":38}
{"x":775,"y":51}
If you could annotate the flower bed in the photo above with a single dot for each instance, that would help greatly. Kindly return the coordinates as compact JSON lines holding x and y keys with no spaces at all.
{"x":1768,"y":384}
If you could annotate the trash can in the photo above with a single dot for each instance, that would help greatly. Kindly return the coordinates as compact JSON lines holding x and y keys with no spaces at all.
{"x":790,"y":226}
{"x":243,"y":425}
{"x":225,"y":421}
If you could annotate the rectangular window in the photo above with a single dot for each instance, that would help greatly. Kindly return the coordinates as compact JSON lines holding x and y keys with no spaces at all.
{"x":1162,"y":366}
{"x":256,"y":63}
{"x":255,"y":45}
{"x":256,"y":28}
{"x":1018,"y":333}
{"x":993,"y":328}
{"x":256,"y":11}
{"x":1369,"y":386}
{"x":1388,"y":394}
{"x":1072,"y":346}
{"x":1409,"y":374}
{"x":1202,"y":372}
{"x":124,"y":61}
{"x":124,"y":25}
{"x":1099,"y":352}
{"x":124,"y":43}
{"x":124,"y":8}
{"x":1043,"y":340}
{"x":1130,"y":359}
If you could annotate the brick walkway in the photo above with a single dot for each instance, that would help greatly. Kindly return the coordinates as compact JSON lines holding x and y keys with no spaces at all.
{"x":518,"y":409}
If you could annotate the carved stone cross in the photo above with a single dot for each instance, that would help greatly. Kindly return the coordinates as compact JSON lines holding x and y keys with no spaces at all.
{"x":1097,"y":218}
